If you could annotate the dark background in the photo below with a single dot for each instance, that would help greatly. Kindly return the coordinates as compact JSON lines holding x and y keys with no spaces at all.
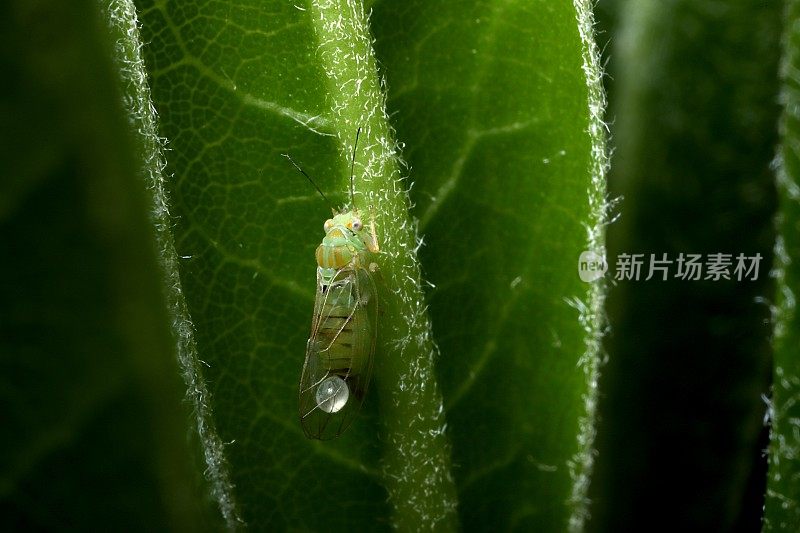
{"x":693,"y":111}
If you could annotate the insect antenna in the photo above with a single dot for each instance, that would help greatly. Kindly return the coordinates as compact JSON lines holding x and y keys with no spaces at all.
{"x":287,"y":156}
{"x":352,"y":166}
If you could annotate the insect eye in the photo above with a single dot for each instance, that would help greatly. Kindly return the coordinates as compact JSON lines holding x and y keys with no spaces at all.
{"x":356,"y":224}
{"x":328,"y":224}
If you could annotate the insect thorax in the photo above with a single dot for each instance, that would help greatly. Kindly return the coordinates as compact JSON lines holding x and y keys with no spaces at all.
{"x":342,"y":246}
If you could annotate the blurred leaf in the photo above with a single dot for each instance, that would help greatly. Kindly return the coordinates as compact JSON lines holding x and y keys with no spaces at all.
{"x":492,"y":104}
{"x":695,"y":114}
{"x":93,"y":430}
{"x":782,"y":511}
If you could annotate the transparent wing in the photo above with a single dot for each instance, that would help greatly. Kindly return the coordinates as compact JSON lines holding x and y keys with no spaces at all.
{"x":339,"y":354}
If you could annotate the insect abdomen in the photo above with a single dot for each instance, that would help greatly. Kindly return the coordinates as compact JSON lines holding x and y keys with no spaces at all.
{"x":344,"y":323}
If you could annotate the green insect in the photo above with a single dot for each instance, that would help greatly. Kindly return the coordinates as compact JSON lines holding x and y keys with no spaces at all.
{"x":340,"y":350}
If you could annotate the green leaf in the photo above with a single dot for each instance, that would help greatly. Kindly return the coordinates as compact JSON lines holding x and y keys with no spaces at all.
{"x":498,"y":107}
{"x":507,"y":164}
{"x":93,"y":429}
{"x":782,"y":510}
{"x":694,"y":107}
